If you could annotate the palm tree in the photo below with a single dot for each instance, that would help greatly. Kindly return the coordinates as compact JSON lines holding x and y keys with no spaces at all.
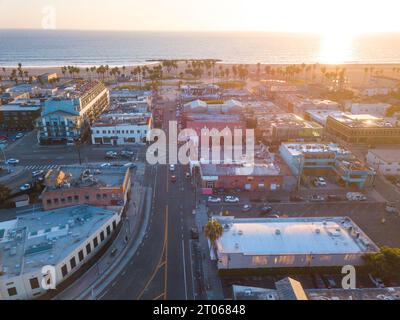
{"x":213,"y":230}
{"x":5,"y":193}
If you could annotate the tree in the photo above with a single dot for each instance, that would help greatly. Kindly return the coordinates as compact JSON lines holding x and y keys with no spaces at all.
{"x":213,"y":231}
{"x":385,"y":263}
{"x":5,"y":193}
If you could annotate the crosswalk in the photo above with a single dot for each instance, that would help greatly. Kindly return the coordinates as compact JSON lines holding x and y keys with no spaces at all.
{"x":42,"y":167}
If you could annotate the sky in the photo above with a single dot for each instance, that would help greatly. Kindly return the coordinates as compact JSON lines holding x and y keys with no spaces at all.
{"x":321,"y":16}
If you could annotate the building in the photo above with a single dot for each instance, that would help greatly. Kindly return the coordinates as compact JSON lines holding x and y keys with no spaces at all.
{"x":320,"y":116}
{"x":20,"y":114}
{"x":290,"y":289}
{"x":260,"y":177}
{"x":47,"y":77}
{"x":130,"y":101}
{"x":385,"y":161}
{"x":290,"y":127}
{"x":291,"y":243}
{"x":63,"y":239}
{"x":315,"y":159}
{"x":122,"y":129}
{"x":363,"y":129}
{"x":191,"y":92}
{"x":299,"y":104}
{"x":69,"y":117}
{"x":74,"y":185}
{"x":373,"y":109}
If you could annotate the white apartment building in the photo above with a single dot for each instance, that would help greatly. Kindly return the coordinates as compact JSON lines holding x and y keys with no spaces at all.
{"x":122,"y":129}
{"x":385,"y":161}
{"x":62,"y":239}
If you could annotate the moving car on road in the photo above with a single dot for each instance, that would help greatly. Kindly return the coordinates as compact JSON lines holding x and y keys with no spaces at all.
{"x":37,"y":173}
{"x":173,"y":178}
{"x":355,"y":196}
{"x":19,"y":135}
{"x":25,"y":187}
{"x":105,"y":165}
{"x":172,"y":168}
{"x":12,"y":161}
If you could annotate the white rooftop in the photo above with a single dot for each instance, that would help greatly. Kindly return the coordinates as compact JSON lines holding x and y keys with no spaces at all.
{"x":292,"y":236}
{"x":296,"y":149}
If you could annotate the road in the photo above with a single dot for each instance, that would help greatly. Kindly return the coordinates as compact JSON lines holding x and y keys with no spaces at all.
{"x":162,"y":267}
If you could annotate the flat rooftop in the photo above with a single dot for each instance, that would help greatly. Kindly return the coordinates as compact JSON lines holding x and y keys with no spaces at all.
{"x":80,"y":177}
{"x":239,"y":170}
{"x":331,"y":235}
{"x":296,"y":149}
{"x":122,"y":120}
{"x":362,"y":121}
{"x":45,"y":238}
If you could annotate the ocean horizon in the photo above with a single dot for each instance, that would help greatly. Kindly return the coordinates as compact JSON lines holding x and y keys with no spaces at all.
{"x":54,"y":48}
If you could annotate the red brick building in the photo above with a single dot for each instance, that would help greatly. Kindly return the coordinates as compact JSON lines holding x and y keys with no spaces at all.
{"x":261,"y":177}
{"x":76,"y":185}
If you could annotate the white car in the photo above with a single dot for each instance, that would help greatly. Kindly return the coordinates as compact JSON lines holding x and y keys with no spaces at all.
{"x":231,"y":199}
{"x":19,"y":136}
{"x":214,"y":199}
{"x":172,"y":168}
{"x":130,"y":165}
{"x":25,"y":187}
{"x":320,"y":182}
{"x":37,"y":173}
{"x":12,"y":161}
{"x":105,"y":165}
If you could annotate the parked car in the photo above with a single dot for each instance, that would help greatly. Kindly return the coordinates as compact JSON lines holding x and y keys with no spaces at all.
{"x":391,"y":208}
{"x":296,"y":199}
{"x":25,"y":187}
{"x":355,"y":196}
{"x":214,"y":199}
{"x":12,"y":161}
{"x":247,"y":207}
{"x":317,"y":198}
{"x":273,"y":216}
{"x":320,"y":182}
{"x":111,"y":155}
{"x":187,"y":175}
{"x":37,"y":173}
{"x":19,"y":135}
{"x":105,"y":165}
{"x":265,"y":209}
{"x":231,"y":199}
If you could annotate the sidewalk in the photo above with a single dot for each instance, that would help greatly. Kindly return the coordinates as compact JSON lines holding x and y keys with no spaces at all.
{"x":212,"y":282}
{"x":84,"y":285}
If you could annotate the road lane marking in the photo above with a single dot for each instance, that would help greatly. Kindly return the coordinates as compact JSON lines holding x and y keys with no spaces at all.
{"x":166,"y":254}
{"x":184,"y":267}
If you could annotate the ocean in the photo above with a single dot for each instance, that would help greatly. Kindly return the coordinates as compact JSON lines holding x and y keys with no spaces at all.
{"x":88,"y":48}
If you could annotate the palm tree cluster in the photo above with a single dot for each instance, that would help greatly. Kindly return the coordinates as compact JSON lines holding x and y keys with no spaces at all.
{"x":18,"y":74}
{"x":71,"y":70}
{"x":213,"y":230}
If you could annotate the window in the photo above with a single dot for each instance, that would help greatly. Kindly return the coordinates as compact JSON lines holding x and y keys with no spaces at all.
{"x":12,"y":292}
{"x":64,"y":270}
{"x":48,"y":201}
{"x":55,"y":201}
{"x":88,"y":248}
{"x":72,"y":262}
{"x":98,"y":196}
{"x":80,"y":255}
{"x":95,"y":242}
{"x":102,"y":236}
{"x":114,"y":224}
{"x":87,"y":197}
{"x":34,"y":283}
{"x":69,"y":199}
{"x":76,"y":198}
{"x":108,"y":230}
{"x":104,"y":195}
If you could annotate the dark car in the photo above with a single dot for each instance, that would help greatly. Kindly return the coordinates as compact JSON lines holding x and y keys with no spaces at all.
{"x":265,"y":209}
{"x":194,"y":233}
{"x":296,"y":199}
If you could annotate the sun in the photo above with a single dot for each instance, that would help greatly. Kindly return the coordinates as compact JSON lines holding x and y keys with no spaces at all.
{"x":336,"y":47}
